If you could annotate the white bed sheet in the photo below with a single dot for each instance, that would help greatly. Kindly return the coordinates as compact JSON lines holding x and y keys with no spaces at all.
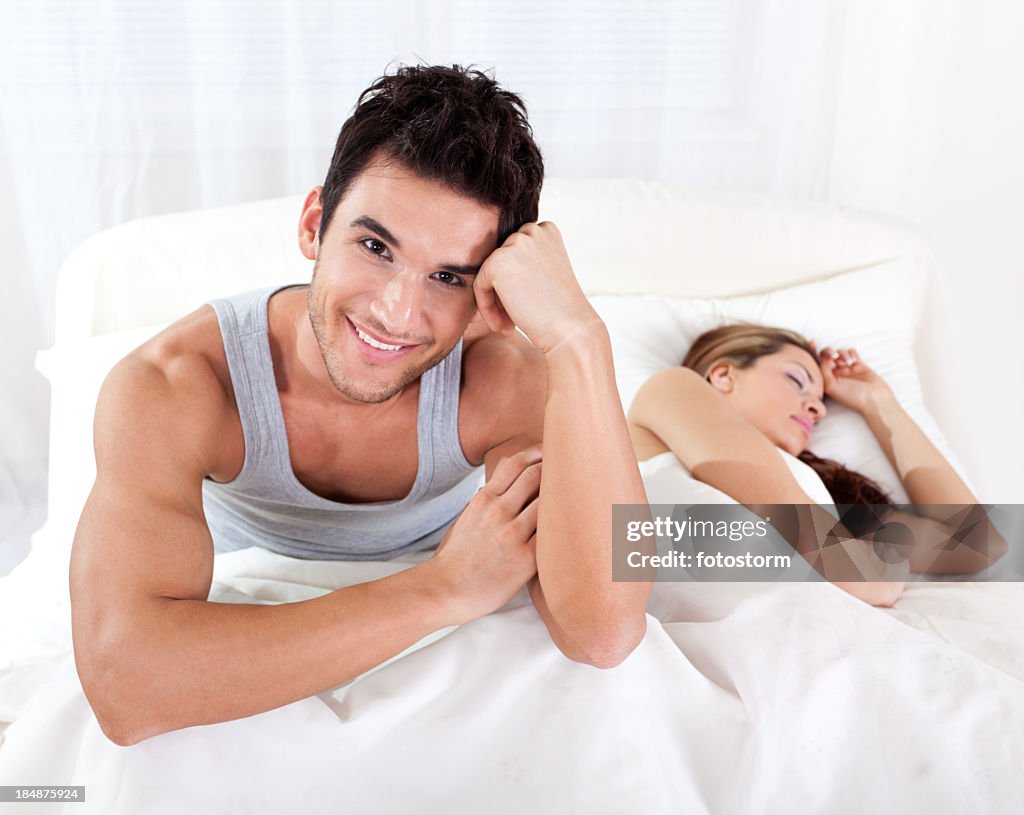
{"x":747,"y":696}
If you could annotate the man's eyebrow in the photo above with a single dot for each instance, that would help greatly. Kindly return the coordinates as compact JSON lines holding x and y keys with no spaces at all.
{"x":374,"y":225}
{"x":455,"y":268}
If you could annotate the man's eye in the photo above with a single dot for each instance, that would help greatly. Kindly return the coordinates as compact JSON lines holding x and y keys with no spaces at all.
{"x":376,"y":247}
{"x":449,"y":279}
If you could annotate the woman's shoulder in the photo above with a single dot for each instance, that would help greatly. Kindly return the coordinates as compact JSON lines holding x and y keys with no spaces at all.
{"x":668,"y":386}
{"x":674,"y":378}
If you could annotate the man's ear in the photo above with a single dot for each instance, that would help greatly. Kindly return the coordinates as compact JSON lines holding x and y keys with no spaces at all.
{"x":309,"y":224}
{"x":721,"y":376}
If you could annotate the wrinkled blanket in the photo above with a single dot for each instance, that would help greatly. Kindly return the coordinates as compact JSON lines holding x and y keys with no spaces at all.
{"x":741,"y":698}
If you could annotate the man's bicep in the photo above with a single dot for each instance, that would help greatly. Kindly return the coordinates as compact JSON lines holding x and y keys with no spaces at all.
{"x":143,"y":531}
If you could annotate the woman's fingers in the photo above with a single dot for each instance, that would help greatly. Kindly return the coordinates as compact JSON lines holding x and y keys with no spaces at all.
{"x":828,"y":374}
{"x":842,"y":358}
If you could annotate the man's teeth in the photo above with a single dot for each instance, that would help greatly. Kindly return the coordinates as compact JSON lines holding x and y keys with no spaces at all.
{"x":374,"y":344}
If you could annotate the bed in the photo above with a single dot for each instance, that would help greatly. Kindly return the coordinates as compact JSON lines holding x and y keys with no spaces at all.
{"x":742,"y":697}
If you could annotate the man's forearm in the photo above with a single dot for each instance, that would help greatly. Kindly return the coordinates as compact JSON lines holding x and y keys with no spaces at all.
{"x":174,"y":663}
{"x":589,"y":465}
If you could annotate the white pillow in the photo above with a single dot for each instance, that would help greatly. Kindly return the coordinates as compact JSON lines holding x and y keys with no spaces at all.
{"x":873,"y":310}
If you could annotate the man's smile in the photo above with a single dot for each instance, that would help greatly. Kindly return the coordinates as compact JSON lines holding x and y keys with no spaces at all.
{"x":376,"y":349}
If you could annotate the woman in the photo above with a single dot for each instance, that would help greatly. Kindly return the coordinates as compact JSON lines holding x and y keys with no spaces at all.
{"x":746,"y":392}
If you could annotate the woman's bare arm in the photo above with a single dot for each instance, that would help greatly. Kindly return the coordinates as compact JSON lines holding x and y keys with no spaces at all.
{"x":946,"y":509}
{"x":720,"y":448}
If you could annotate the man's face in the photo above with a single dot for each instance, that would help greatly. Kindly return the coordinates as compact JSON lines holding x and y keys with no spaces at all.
{"x":392,"y":289}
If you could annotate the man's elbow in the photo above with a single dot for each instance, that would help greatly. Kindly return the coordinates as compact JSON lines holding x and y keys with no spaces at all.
{"x":117,"y":732}
{"x":609,"y":649}
{"x":112,"y":715}
{"x":107,"y":682}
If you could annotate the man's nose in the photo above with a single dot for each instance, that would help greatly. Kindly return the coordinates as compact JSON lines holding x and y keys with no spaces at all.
{"x":398,"y":305}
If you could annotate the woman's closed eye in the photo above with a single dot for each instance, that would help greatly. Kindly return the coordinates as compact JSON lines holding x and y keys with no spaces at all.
{"x":799,"y":384}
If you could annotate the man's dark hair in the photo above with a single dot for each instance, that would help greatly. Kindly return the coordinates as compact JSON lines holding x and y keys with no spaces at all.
{"x":453,"y":125}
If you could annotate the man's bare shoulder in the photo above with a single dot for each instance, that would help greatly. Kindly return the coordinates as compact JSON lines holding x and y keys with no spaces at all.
{"x":188,"y":354}
{"x":179,"y":377}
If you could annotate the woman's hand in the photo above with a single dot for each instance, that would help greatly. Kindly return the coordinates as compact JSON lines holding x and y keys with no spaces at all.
{"x":849,"y":381}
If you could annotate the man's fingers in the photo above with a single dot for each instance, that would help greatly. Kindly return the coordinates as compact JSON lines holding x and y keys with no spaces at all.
{"x":524,"y":489}
{"x":485,"y":300}
{"x":490,"y":308}
{"x":509,"y":468}
{"x":527,"y":519}
{"x":531,"y":544}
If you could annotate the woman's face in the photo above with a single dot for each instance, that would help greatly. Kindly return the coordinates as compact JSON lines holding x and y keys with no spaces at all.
{"x":781,"y":395}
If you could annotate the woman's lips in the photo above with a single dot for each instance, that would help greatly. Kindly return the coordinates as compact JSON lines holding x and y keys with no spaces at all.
{"x":804,"y":423}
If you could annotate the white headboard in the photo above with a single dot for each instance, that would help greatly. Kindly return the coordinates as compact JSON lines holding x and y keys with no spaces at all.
{"x":624,"y":237}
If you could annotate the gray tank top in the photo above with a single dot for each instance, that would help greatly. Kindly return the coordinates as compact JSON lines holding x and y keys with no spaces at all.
{"x":266,"y":505}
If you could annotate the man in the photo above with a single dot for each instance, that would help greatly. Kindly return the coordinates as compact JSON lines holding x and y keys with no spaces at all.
{"x":345,"y":419}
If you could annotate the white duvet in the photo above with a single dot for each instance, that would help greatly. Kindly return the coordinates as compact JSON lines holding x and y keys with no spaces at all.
{"x":787,"y":698}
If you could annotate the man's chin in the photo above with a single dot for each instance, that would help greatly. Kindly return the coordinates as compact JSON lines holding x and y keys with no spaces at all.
{"x":374,"y":392}
{"x":370,"y":393}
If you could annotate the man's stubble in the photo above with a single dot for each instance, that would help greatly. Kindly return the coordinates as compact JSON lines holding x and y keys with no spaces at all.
{"x":334,"y":366}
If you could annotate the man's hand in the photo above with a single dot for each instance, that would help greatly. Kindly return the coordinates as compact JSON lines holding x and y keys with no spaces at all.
{"x":489,"y":553}
{"x":528,"y":283}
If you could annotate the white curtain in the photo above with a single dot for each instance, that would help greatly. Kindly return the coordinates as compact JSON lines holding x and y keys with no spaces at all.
{"x":113,"y":109}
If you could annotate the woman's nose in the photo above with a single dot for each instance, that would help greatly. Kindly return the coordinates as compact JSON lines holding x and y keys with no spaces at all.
{"x":817,"y":407}
{"x":398,"y":305}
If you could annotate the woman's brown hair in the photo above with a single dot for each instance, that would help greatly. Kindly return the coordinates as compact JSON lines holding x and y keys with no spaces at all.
{"x":743,"y":345}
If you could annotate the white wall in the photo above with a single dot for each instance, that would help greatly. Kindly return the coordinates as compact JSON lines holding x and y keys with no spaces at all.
{"x":975,"y":221}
